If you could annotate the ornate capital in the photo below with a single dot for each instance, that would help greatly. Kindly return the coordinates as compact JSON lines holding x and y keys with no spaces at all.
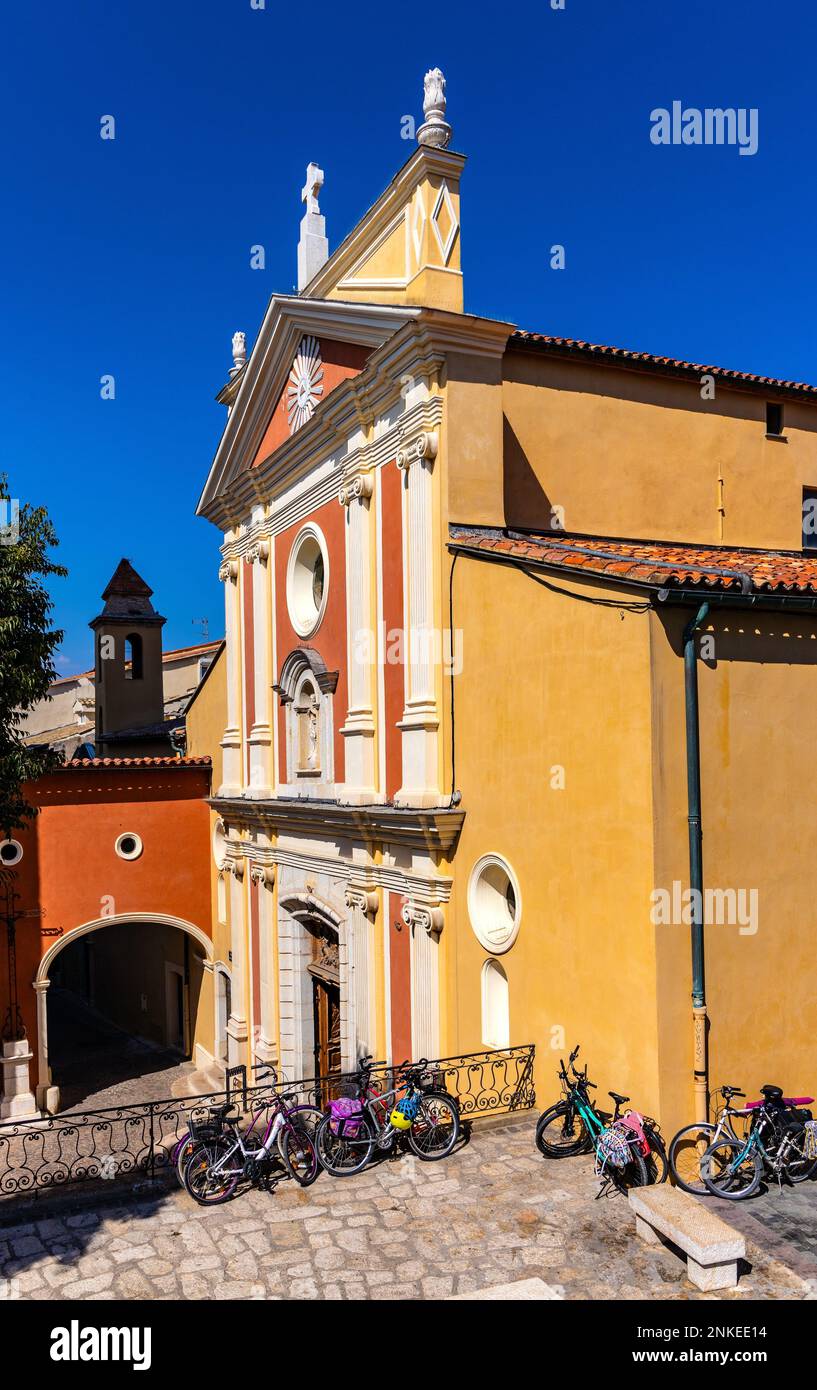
{"x":431,"y":919}
{"x":263,"y":874}
{"x":425,"y":446}
{"x":259,"y":551}
{"x":228,"y":569}
{"x":235,"y":867}
{"x":360,"y":487}
{"x":363,"y":898}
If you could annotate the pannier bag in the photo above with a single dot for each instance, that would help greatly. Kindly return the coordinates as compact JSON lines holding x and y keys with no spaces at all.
{"x":811,"y":1138}
{"x":612,"y":1147}
{"x":346,"y":1115}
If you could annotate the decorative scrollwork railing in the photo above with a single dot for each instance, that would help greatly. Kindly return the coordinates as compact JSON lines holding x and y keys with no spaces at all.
{"x":139,"y":1139}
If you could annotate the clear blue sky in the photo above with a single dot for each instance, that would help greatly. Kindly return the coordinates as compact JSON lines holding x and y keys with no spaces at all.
{"x":131,"y":257}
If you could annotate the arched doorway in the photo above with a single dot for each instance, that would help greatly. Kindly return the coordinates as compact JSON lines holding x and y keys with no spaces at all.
{"x":124,"y":998}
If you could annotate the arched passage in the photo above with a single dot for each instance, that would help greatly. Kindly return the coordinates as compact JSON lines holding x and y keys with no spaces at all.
{"x":148,"y":980}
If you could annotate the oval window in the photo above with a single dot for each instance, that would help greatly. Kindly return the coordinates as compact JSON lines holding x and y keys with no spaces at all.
{"x":494,"y":903}
{"x":307,"y":580}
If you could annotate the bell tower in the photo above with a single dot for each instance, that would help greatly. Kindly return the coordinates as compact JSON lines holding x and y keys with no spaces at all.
{"x":128,"y":667}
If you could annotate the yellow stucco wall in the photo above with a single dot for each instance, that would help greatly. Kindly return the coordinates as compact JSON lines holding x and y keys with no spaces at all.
{"x":552,"y":682}
{"x":758,"y":722}
{"x":627,"y":454}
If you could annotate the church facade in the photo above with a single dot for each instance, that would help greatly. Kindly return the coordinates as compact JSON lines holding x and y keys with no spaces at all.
{"x":460,"y":564}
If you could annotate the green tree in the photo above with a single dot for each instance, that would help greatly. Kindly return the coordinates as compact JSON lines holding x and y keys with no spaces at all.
{"x":27,"y":646}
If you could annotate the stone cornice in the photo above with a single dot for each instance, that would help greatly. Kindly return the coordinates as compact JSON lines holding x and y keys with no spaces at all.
{"x":435,"y":830}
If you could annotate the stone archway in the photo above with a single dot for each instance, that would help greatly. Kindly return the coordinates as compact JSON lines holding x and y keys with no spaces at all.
{"x":46,"y":1094}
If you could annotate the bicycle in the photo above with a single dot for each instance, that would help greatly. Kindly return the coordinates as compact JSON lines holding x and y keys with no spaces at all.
{"x":427,"y":1117}
{"x":305,"y":1115}
{"x":778,"y":1145}
{"x":573,"y":1126}
{"x":689,"y":1145}
{"x":219,"y":1163}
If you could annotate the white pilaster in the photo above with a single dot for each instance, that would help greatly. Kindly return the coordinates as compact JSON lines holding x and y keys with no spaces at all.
{"x":359,"y":728}
{"x":425,"y":924}
{"x":363,"y":905}
{"x":263,"y":879}
{"x":231,"y":741}
{"x":421,"y":721}
{"x":260,"y":738}
{"x":237,"y":1027}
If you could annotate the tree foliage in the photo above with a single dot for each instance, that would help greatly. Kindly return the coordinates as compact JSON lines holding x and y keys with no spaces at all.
{"x":27,"y":646}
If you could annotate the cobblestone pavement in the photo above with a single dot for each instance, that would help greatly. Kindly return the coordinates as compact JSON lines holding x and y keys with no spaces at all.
{"x":783,"y":1220}
{"x":494,"y":1213}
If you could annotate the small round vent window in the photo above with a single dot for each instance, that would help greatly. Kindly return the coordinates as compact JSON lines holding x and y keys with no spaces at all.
{"x":11,"y":852}
{"x":128,"y":846}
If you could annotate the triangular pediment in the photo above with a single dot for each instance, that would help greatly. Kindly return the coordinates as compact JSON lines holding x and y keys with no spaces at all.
{"x":304,"y":350}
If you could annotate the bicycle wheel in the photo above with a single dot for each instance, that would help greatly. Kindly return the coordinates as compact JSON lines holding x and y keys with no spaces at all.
{"x":685,"y":1153}
{"x":298,"y":1153}
{"x":182,"y":1155}
{"x":560,"y":1132}
{"x":307,"y":1117}
{"x":436,"y":1128}
{"x":209,"y":1187}
{"x":346,"y":1153}
{"x":656,"y":1161}
{"x":799,"y":1165}
{"x":731,"y":1170}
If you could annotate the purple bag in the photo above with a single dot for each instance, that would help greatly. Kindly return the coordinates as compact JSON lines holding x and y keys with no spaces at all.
{"x":345,"y":1117}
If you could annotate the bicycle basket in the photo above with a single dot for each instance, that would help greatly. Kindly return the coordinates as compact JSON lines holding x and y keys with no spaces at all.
{"x":811,"y":1138}
{"x":612,"y":1147}
{"x":206,"y":1127}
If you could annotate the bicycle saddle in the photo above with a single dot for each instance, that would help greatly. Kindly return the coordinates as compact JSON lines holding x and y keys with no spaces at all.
{"x":221,"y":1111}
{"x":620,"y":1100}
{"x":771,"y":1092}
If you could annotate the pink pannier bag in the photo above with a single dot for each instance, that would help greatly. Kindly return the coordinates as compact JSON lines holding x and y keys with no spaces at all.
{"x":346,"y":1116}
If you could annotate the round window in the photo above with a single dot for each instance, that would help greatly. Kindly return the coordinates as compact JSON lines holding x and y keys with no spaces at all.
{"x":494,"y":903}
{"x":11,"y":852}
{"x":128,"y":846}
{"x":307,"y":580}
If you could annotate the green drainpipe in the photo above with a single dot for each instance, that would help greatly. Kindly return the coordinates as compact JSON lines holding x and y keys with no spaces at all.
{"x":696,"y":875}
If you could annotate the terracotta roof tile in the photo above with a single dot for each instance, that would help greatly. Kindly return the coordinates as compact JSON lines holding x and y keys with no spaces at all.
{"x":575,"y":347}
{"x":82,"y":763}
{"x":658,"y":563}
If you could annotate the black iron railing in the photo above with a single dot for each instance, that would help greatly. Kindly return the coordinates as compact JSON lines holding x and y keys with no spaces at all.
{"x":138,"y":1140}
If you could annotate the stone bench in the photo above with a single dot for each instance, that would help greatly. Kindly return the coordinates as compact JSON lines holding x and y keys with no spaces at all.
{"x":712,"y":1247}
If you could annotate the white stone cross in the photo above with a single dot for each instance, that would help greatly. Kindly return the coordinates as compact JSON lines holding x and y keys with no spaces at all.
{"x":309,"y":192}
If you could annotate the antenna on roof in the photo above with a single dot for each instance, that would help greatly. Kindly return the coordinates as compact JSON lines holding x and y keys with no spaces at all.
{"x":204,"y":624}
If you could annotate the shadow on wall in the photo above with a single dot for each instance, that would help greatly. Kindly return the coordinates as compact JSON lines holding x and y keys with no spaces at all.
{"x":525,"y":502}
{"x":762,"y":639}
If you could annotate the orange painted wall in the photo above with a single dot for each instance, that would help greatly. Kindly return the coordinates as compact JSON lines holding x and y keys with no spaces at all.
{"x":330,"y":638}
{"x":70,"y":869}
{"x":340,"y":361}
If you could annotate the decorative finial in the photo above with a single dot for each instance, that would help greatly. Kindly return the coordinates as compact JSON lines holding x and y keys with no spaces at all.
{"x":313,"y":247}
{"x":313,"y":185}
{"x":435,"y":130}
{"x":239,"y":352}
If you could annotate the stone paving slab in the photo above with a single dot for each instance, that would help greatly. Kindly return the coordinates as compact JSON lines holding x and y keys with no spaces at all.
{"x":493,"y":1214}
